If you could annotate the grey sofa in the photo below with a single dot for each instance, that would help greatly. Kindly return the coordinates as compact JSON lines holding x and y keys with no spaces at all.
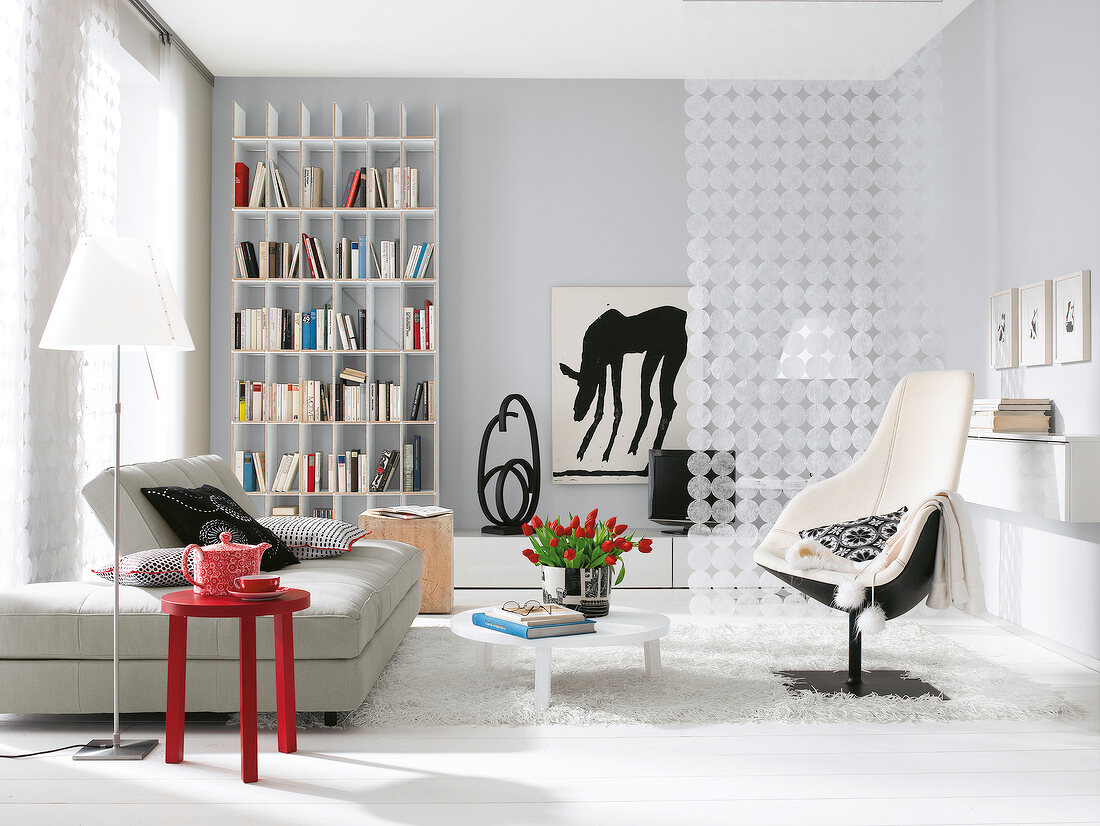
{"x":55,"y":638}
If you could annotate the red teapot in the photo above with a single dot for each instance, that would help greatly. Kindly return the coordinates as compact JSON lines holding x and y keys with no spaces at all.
{"x":218,"y":566}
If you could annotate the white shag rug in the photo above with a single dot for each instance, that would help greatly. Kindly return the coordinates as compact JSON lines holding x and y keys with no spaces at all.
{"x":711,"y":674}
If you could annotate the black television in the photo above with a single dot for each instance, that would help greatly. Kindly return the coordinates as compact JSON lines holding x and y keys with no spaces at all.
{"x":668,"y":489}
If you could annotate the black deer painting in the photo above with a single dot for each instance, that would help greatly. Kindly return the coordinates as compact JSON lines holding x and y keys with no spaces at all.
{"x":660,"y":335}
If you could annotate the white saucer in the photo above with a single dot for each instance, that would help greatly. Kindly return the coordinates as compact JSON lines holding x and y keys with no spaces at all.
{"x":259,"y":595}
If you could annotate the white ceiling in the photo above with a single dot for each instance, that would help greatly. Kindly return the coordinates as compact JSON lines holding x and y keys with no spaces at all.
{"x":556,"y":38}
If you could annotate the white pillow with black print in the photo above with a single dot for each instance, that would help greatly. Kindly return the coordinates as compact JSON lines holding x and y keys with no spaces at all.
{"x":313,"y":537}
{"x":156,"y":568}
{"x":859,"y":540}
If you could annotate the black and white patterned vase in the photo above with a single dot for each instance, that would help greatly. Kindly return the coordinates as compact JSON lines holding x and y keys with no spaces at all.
{"x":587,"y":590}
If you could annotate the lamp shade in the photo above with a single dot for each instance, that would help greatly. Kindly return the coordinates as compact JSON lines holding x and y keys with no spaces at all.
{"x":115,"y":295}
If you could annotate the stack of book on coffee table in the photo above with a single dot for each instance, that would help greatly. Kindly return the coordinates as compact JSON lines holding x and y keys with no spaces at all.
{"x":535,"y":623}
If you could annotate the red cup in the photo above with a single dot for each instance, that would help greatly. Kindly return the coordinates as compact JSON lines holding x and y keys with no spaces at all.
{"x":256,"y":583}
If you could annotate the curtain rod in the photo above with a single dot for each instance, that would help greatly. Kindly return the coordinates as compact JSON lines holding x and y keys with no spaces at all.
{"x":170,"y":38}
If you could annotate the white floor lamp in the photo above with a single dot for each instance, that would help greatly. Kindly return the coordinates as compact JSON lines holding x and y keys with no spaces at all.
{"x":115,"y":295}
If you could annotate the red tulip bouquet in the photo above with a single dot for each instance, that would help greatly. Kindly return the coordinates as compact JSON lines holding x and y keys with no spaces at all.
{"x":590,"y":545}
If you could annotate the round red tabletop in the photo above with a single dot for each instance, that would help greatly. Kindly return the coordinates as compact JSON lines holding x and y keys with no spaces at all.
{"x":189,"y":604}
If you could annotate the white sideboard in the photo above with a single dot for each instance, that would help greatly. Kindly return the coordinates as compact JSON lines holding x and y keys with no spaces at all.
{"x":1054,"y":476}
{"x":485,"y":561}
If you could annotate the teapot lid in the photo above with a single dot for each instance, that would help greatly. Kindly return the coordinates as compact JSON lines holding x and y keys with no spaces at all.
{"x":227,"y":544}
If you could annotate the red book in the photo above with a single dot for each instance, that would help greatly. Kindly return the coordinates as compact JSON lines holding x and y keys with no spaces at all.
{"x":240,"y":185}
{"x":312,"y":472}
{"x":416,"y":330}
{"x":353,"y":190}
{"x":307,"y":248}
{"x":428,"y":344}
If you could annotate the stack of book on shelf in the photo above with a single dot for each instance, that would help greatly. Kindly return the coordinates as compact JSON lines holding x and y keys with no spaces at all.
{"x":251,"y":470}
{"x":545,"y":621}
{"x":423,"y":405}
{"x":287,"y":474}
{"x":320,"y":513}
{"x":410,"y":512}
{"x":1011,"y":416}
{"x":355,"y":190}
{"x":384,"y":404}
{"x":273,"y":259}
{"x":397,"y":187}
{"x":384,"y":470}
{"x":279,"y":328}
{"x":352,"y":473}
{"x":313,"y":187}
{"x":350,"y":393}
{"x":410,"y":480}
{"x":284,"y":510}
{"x":418,"y":327}
{"x":419,"y":257}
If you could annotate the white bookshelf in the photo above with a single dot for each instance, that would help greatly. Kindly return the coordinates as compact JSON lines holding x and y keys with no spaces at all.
{"x":337,"y":144}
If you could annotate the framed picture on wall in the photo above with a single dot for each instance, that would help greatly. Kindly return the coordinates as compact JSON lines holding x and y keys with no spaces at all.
{"x":618,"y":380}
{"x":1004,"y":329}
{"x":1072,"y":317}
{"x":1035,"y":326}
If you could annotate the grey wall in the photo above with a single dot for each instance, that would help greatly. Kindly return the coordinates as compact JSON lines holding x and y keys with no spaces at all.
{"x":1018,"y":203}
{"x":542,"y":183}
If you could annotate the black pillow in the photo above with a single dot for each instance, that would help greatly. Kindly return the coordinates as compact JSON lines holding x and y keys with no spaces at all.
{"x":858,"y":540}
{"x":199,"y":515}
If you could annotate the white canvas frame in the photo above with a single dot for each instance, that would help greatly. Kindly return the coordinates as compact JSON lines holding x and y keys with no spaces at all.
{"x":1075,"y":345}
{"x":1035,"y":323}
{"x":1004,"y":325}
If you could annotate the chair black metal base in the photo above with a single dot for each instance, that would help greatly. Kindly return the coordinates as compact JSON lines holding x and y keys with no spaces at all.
{"x":883,"y":683}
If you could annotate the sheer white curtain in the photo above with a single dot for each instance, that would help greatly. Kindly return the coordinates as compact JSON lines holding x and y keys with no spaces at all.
{"x":58,"y":155}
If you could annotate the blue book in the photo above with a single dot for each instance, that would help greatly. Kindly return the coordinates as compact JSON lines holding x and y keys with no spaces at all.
{"x":416,"y":463}
{"x":305,"y":331}
{"x":312,"y":329}
{"x":249,"y":473}
{"x":364,"y":262}
{"x":416,"y":273}
{"x":518,"y":629}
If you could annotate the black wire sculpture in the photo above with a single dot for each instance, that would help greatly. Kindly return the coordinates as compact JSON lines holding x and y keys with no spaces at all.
{"x":527,"y":474}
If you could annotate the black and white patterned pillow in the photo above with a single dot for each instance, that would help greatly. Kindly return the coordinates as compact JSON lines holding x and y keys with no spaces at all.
{"x":313,"y":537}
{"x":202,"y":514}
{"x":860,"y":539}
{"x":156,"y":568}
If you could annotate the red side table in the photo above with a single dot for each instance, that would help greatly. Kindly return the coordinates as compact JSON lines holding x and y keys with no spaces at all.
{"x":180,"y":605}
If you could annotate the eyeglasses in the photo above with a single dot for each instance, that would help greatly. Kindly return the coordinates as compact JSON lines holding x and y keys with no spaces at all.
{"x":532,"y":606}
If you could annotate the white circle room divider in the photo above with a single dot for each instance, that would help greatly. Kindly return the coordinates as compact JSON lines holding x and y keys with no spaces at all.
{"x":808,"y":219}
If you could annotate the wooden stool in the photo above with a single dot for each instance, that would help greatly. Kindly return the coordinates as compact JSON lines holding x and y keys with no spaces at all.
{"x":435,"y":538}
{"x":179,"y":605}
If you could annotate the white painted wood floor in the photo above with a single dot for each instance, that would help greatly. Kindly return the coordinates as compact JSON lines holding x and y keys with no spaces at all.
{"x":955,"y":773}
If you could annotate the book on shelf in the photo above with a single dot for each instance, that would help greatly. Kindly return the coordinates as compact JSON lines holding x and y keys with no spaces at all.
{"x":258,"y":196}
{"x":1011,"y":416}
{"x":351,"y":189}
{"x":313,"y":187}
{"x":410,"y":512}
{"x":280,"y":187}
{"x":240,"y":184}
{"x":416,"y":265}
{"x":416,"y":464}
{"x":284,"y":510}
{"x":387,"y":464}
{"x":418,"y":327}
{"x":518,"y":629}
{"x":249,"y":468}
{"x":546,"y":613}
{"x":287,"y":474}
{"x":407,"y":468}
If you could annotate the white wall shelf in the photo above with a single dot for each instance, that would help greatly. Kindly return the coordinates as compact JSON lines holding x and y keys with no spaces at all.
{"x":1055,"y":476}
{"x":321,"y":139}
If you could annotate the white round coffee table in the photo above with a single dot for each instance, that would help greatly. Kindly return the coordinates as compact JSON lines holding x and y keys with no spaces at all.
{"x":622,"y":626}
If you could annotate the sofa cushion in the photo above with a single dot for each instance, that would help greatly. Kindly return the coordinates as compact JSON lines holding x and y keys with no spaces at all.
{"x":859,"y":540}
{"x":352,"y":596}
{"x":313,"y":537}
{"x":142,"y":526}
{"x":155,"y":568}
{"x":201,"y":515}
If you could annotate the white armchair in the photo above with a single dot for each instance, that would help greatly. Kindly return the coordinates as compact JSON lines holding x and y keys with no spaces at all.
{"x":916,"y":452}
